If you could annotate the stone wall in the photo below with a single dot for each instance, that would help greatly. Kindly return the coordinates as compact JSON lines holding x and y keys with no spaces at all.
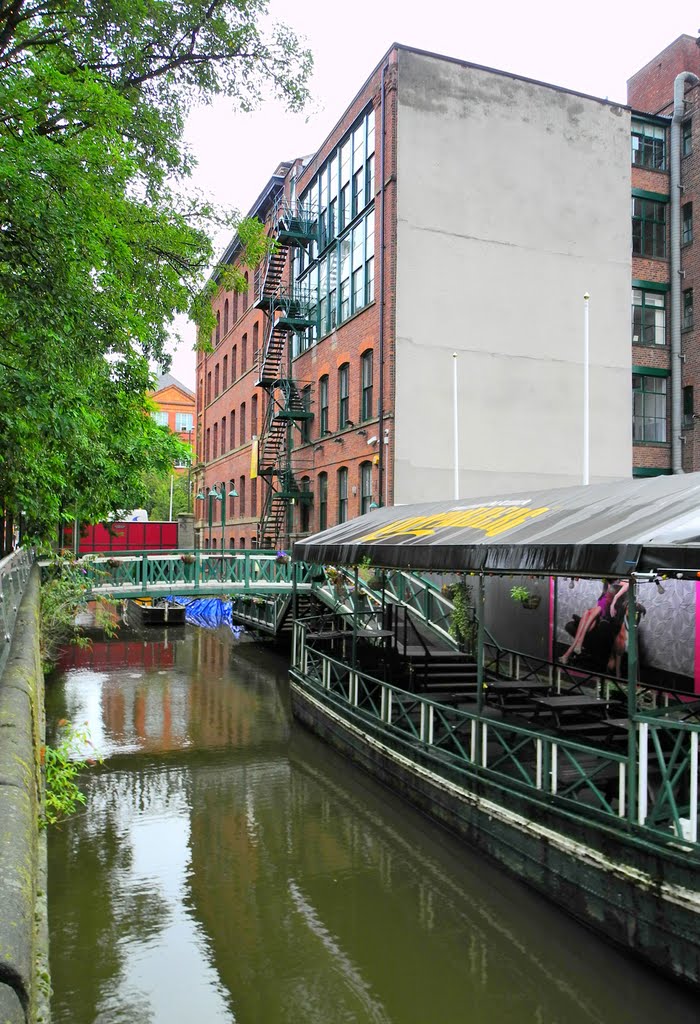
{"x":24,"y":985}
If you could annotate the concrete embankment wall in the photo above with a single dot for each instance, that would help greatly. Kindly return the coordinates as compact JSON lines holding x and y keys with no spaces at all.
{"x":24,"y":982}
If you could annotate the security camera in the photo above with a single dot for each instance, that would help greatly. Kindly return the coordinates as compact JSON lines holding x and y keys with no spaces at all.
{"x":372,"y":440}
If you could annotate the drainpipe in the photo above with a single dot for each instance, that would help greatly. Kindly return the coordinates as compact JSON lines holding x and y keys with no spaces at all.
{"x":676,"y":367}
{"x":382,"y":469}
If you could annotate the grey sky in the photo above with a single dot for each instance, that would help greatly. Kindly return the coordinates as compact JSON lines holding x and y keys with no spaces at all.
{"x":591,"y":47}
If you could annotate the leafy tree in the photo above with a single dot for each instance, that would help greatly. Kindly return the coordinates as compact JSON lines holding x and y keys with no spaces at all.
{"x":102,"y":240}
{"x":157,"y":503}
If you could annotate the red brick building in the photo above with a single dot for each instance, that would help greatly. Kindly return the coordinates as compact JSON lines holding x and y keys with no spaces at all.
{"x":413,"y":235}
{"x":666,"y":261}
{"x":176,"y":408}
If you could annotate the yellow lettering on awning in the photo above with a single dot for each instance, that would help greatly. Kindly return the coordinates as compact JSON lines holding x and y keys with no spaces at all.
{"x":493,"y":520}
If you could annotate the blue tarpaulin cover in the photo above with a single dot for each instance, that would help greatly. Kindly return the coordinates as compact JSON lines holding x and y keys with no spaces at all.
{"x":209,"y":612}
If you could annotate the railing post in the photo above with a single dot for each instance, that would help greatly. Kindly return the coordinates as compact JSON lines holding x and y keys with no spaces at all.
{"x":144,"y":573}
{"x":538,"y":763}
{"x":480,"y":668}
{"x":622,"y":791}
{"x":694,"y":786}
{"x":553,"y":768}
{"x":643,"y":779}
{"x":632,"y":700}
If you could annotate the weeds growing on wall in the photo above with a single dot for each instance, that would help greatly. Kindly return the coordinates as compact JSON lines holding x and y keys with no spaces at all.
{"x":65,"y":589}
{"x":62,"y":765}
{"x":462,"y":622}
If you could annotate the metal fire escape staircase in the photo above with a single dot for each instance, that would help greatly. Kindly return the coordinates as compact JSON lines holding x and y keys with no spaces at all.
{"x":287,"y":313}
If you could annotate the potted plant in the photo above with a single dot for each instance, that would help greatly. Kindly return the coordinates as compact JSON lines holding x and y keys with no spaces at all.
{"x":282,"y":558}
{"x":524,"y":597}
{"x":113,"y":563}
{"x":187,"y":558}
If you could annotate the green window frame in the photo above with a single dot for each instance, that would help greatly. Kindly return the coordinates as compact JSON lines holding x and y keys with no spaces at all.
{"x":323,"y":405}
{"x":343,"y":494}
{"x":322,"y":501}
{"x":648,"y":317}
{"x":367,"y":375}
{"x":687,"y":224}
{"x":687,"y":137}
{"x":343,"y":395}
{"x":649,"y":407}
{"x":365,"y":487}
{"x":687,"y":310}
{"x":648,"y":145}
{"x":648,"y":228}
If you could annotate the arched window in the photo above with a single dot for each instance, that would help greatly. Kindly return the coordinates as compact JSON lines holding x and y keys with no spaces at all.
{"x":365,"y":487}
{"x":305,"y":506}
{"x":343,"y":494}
{"x":322,"y":501}
{"x":241,"y":496}
{"x":244,"y":353}
{"x":241,"y":417}
{"x":245,"y":293}
{"x":254,"y":416}
{"x":225,"y":317}
{"x":255,"y":342}
{"x":224,"y":374}
{"x":367,"y":408}
{"x":218,"y":326}
{"x":343,"y":396}
{"x":231,"y":501}
{"x":232,"y":429}
{"x":323,"y":405}
{"x":254,"y":496}
{"x":235,"y":307}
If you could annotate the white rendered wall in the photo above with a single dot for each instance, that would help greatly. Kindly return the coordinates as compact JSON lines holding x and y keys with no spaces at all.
{"x":513,"y":201}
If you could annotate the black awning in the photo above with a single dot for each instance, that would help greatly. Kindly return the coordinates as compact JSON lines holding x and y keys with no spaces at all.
{"x":609,"y":529}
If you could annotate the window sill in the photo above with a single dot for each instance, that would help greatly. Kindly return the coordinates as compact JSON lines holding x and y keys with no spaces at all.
{"x":651,"y":444}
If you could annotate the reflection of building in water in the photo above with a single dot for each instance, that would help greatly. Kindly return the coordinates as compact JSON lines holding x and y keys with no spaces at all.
{"x":167,"y":695}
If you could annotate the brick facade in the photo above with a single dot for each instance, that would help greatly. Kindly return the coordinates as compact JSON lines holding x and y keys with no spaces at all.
{"x":650,"y":90}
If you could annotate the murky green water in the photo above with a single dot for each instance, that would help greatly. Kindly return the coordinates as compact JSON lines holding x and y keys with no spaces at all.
{"x":229,"y":867}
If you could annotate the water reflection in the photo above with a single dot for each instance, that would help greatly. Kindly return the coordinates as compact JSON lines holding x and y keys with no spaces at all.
{"x":228,"y":867}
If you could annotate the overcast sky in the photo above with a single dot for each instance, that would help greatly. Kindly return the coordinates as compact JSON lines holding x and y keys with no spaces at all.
{"x":591,"y":47}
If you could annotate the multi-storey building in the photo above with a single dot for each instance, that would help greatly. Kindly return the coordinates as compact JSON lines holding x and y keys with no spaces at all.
{"x":419,"y":328}
{"x":176,"y":408}
{"x":665,"y":99}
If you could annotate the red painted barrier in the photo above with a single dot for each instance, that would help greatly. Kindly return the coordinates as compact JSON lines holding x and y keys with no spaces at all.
{"x":124,"y":537}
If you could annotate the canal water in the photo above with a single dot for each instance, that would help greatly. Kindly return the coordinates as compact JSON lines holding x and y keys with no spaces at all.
{"x":229,"y":867}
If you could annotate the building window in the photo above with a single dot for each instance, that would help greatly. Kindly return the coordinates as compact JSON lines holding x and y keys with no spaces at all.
{"x":207,"y":448}
{"x":648,"y":228}
{"x":244,"y":353}
{"x":241,"y":419}
{"x":687,"y":313}
{"x":688,"y":406}
{"x":225,"y":317}
{"x":365,"y":487}
{"x":367,"y":385}
{"x":254,"y":496}
{"x":184,"y":422}
{"x":218,"y":326}
{"x":322,"y":501}
{"x":235,"y":306}
{"x":305,"y":506}
{"x":241,"y":496}
{"x":209,"y":387}
{"x":648,"y":145}
{"x":224,"y":374}
{"x":254,"y":416}
{"x":687,"y":224}
{"x":649,"y":407}
{"x":648,"y":317}
{"x":257,"y":278}
{"x":234,"y":355}
{"x":256,"y":342}
{"x":215,"y":441}
{"x":223,"y":434}
{"x":323,"y":405}
{"x":232,"y":429}
{"x":343,"y":395}
{"x":342,"y":495}
{"x":245,"y":293}
{"x":231,"y":498}
{"x":160,"y":417}
{"x":687,"y":137}
{"x":216,"y":381}
{"x":306,"y":423}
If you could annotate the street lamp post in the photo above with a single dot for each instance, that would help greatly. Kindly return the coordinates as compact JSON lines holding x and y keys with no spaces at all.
{"x":213,"y":495}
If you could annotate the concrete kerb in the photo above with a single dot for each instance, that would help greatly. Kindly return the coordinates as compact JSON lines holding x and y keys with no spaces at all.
{"x":22,"y":855}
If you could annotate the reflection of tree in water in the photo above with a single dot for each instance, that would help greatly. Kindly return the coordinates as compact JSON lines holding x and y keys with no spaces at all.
{"x":98,"y":924}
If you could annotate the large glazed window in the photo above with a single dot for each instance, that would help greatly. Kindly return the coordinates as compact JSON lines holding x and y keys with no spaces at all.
{"x":649,"y":407}
{"x":648,"y":228}
{"x":648,"y":145}
{"x":648,"y":317}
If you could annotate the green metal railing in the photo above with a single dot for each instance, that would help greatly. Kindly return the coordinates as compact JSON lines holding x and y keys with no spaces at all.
{"x":591,"y":781}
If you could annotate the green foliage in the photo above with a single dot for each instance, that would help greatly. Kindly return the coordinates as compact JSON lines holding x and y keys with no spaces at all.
{"x":157,"y":501}
{"x":62,"y":764}
{"x":462,"y":622}
{"x":519,"y":593}
{"x":65,"y":590}
{"x":102,"y":240}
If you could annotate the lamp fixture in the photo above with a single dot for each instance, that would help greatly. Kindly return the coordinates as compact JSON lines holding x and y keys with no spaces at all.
{"x":373,"y":505}
{"x":233,"y":493}
{"x":201,"y":496}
